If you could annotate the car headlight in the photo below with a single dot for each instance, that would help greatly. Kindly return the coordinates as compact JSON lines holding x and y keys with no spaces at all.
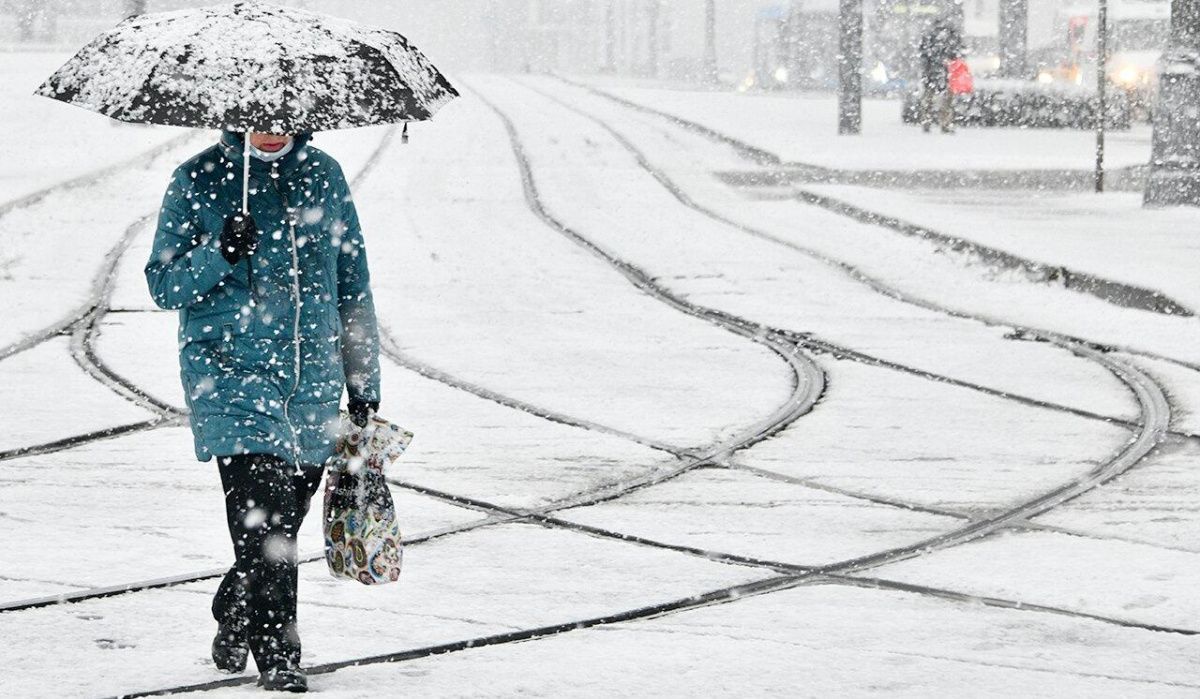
{"x":1127,"y":76}
{"x":781,"y":75}
{"x":879,"y":73}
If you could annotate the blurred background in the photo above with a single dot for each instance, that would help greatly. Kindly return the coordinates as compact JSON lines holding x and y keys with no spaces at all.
{"x":1035,"y":64}
{"x":751,"y":44}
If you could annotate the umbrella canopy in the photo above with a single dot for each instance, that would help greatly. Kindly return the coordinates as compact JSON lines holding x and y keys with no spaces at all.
{"x":251,"y":66}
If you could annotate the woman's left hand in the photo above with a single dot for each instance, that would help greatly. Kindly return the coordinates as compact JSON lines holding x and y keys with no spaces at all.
{"x":361,"y":410}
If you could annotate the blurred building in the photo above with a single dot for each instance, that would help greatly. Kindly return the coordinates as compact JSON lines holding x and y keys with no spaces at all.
{"x":759,"y":43}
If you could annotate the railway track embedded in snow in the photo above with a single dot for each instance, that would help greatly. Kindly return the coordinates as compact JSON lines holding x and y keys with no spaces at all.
{"x":806,"y":391}
{"x":1111,"y":291}
{"x":1016,"y":331}
{"x":1152,"y":427}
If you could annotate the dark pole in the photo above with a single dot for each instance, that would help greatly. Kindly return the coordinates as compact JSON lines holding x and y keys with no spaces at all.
{"x":710,"y":41}
{"x":493,"y":40}
{"x":610,"y":36}
{"x":1174,"y":163}
{"x":25,"y":12}
{"x":850,"y":22}
{"x":1014,"y":32}
{"x":1101,"y":87}
{"x":653,"y":20}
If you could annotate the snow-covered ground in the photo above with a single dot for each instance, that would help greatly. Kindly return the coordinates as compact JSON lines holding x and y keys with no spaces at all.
{"x":44,"y":144}
{"x":557,"y":276}
{"x":802,"y":128}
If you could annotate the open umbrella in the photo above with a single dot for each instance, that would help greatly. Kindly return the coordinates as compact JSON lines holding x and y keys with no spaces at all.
{"x":251,"y":66}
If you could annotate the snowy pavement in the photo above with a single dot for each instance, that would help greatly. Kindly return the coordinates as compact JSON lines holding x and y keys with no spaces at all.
{"x":801,"y":129}
{"x":672,"y":439}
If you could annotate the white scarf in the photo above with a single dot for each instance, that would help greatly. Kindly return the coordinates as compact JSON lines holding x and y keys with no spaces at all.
{"x":271,"y":157}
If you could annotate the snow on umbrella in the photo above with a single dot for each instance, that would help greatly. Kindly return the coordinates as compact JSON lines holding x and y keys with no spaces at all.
{"x":250,"y":66}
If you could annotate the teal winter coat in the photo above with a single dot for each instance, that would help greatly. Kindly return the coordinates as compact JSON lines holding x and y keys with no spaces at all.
{"x":267,"y":345}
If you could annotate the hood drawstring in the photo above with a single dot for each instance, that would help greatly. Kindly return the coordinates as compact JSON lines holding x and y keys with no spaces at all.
{"x":249,"y":151}
{"x":246,"y":209}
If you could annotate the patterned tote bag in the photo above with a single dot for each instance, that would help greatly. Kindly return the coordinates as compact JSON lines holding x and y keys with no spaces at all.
{"x":362,"y":535}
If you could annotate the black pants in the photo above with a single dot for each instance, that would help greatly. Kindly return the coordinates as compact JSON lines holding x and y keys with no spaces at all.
{"x":265,"y":502}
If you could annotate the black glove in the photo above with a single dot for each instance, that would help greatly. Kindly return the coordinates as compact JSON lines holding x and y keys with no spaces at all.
{"x":361,"y":410}
{"x":239,"y":238}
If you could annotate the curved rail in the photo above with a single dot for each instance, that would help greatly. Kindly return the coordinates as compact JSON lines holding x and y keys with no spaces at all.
{"x":1108,"y":290}
{"x":717,"y":454}
{"x":1155,"y":415}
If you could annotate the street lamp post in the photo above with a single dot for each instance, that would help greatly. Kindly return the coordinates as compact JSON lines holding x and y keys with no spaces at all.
{"x":1014,"y":31}
{"x":710,"y":41}
{"x":1174,"y":157}
{"x":1101,"y":88}
{"x":610,"y":36}
{"x":850,"y":24}
{"x":653,"y":21}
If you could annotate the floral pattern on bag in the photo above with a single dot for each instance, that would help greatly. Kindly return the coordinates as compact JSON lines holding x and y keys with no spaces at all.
{"x":362,"y":535}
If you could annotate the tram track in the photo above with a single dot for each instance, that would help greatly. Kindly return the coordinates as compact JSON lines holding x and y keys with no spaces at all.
{"x":1159,"y":303}
{"x":1014,"y":331}
{"x":1139,"y":383}
{"x":719,"y":454}
{"x":500,"y":515}
{"x":67,"y":322}
{"x":1114,"y":292}
{"x":144,"y":158}
{"x":86,"y":330}
{"x":1155,"y":416}
{"x":807,"y":386}
{"x":85,"y":325}
{"x":443,"y":377}
{"x":1157,"y":413}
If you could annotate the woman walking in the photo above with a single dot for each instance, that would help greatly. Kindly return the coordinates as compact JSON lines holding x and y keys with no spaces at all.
{"x":275,"y":319}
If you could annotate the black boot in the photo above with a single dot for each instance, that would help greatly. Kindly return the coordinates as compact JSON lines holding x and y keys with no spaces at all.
{"x":230,"y":648}
{"x":283,"y":679}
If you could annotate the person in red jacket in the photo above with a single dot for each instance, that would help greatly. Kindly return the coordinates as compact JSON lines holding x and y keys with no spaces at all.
{"x":939,"y":46}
